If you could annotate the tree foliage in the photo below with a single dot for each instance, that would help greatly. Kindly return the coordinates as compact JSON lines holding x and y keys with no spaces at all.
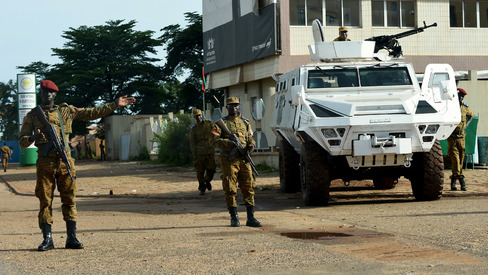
{"x":9,"y":121}
{"x":174,"y":142}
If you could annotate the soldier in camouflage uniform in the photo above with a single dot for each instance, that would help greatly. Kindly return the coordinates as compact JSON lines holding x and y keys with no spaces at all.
{"x":203,"y":152}
{"x":51,"y":171}
{"x":238,"y":170}
{"x":6,"y":154}
{"x":456,"y":143}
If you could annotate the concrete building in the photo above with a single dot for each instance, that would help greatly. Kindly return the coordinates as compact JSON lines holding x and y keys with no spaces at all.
{"x":460,"y":39}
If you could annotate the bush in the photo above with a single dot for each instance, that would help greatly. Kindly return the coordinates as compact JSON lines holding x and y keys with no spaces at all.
{"x":174,"y":142}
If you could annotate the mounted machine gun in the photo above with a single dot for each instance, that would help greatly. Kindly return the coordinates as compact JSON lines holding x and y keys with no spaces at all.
{"x":390,"y":42}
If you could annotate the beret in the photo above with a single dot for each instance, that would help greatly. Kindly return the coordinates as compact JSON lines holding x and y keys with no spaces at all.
{"x":197,"y":112}
{"x":462,"y":91}
{"x":232,"y":100}
{"x":48,"y":84}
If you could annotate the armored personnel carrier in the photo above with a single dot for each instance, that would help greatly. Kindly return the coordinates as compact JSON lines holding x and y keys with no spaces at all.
{"x":355,"y":114}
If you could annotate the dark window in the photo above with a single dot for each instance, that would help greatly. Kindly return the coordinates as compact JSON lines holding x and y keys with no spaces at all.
{"x":468,"y":14}
{"x":397,"y":13}
{"x":335,"y":12}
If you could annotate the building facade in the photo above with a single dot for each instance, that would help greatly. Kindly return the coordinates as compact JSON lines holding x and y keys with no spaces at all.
{"x":460,"y":39}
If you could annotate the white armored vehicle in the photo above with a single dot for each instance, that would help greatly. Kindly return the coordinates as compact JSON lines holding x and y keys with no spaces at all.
{"x":351,"y":116}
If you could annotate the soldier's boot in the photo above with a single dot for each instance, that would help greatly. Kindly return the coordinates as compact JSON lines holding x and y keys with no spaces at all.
{"x":453,"y":184}
{"x":251,"y":221}
{"x":208,"y":185}
{"x":234,"y":217}
{"x":48,"y":243}
{"x":202,"y":187}
{"x":71,"y":241}
{"x":463,"y":184}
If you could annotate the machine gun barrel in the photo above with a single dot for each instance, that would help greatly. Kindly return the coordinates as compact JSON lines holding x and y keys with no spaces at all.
{"x":390,"y":43}
{"x":55,"y":141}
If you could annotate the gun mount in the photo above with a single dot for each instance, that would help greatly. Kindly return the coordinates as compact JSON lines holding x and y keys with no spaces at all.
{"x":390,"y":42}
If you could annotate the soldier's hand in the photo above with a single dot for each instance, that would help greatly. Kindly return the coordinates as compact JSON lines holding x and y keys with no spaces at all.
{"x":250,"y":147}
{"x":124,"y":101}
{"x":39,"y":136}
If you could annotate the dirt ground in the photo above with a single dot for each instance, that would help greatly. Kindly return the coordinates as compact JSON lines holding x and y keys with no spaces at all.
{"x":149,"y":219}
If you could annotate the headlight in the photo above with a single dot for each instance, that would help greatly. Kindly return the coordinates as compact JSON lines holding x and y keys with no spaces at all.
{"x":329,"y":133}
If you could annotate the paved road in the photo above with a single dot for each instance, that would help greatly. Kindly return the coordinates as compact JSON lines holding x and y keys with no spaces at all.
{"x":157,"y":224}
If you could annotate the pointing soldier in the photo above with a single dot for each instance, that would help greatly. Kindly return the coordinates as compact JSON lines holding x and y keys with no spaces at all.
{"x":51,"y":171}
{"x":237,"y":170}
{"x":456,"y":143}
{"x":203,"y":151}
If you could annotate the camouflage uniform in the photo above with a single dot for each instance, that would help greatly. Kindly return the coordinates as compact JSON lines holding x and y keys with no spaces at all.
{"x":203,"y":152}
{"x":6,"y":153}
{"x":456,"y":143}
{"x":51,"y":171}
{"x":237,"y":170}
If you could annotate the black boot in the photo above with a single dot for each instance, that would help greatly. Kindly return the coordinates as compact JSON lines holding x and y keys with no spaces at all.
{"x":209,"y":186}
{"x":251,"y":221}
{"x":453,"y":184}
{"x":72,"y":242}
{"x":202,"y":187}
{"x":234,"y":217}
{"x":463,"y":184}
{"x":47,"y":244}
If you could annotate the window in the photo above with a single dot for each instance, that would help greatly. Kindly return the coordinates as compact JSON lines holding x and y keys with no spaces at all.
{"x":398,"y":13}
{"x":468,"y":14}
{"x":330,"y":12}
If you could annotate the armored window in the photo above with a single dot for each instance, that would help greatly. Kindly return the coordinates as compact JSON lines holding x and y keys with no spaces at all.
{"x":384,"y":76}
{"x":398,"y":13}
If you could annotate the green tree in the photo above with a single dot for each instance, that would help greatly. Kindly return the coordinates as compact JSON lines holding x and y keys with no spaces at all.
{"x":184,"y":47}
{"x":174,"y":142}
{"x":9,"y":116}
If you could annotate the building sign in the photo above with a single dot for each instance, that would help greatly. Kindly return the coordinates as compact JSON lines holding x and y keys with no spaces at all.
{"x":237,"y":32}
{"x":26,"y":94}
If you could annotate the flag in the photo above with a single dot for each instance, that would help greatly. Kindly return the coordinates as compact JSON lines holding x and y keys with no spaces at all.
{"x":203,"y":81}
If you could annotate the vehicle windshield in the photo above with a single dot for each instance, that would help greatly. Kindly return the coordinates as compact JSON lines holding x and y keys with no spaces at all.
{"x":368,"y":76}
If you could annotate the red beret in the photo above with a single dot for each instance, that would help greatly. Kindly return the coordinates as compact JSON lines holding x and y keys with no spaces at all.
{"x":462,"y":91}
{"x":48,"y":84}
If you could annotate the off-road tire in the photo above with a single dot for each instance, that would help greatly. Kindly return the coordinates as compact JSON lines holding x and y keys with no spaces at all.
{"x":427,"y":175}
{"x":314,"y":174}
{"x":384,"y":183}
{"x":289,"y":168}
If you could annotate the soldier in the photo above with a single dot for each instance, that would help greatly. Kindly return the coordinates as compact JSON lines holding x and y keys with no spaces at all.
{"x":102,"y":151}
{"x":342,"y":35}
{"x":456,"y":143}
{"x":203,"y":151}
{"x":51,"y":171}
{"x":236,"y":170}
{"x":6,"y":154}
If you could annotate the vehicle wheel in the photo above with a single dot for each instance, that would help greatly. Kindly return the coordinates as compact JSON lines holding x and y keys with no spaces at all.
{"x":289,"y":168}
{"x":314,"y":174}
{"x":427,"y":175}
{"x":384,"y":183}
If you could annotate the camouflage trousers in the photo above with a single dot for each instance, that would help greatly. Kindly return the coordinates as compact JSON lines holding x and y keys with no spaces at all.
{"x":5,"y":162}
{"x":237,"y":172}
{"x":456,"y":151}
{"x":202,"y":164}
{"x":52,"y":172}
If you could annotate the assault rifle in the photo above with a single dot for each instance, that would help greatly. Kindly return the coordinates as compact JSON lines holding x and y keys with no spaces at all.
{"x":390,"y":42}
{"x":238,"y":149}
{"x":55,"y":141}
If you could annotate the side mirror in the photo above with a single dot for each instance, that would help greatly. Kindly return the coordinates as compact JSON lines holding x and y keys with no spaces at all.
{"x":297,"y":95}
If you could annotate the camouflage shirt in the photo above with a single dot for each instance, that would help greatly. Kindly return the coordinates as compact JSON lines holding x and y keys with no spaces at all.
{"x":5,"y":151}
{"x":68,"y":112}
{"x":200,"y":139}
{"x":466,"y":115}
{"x":236,"y":124}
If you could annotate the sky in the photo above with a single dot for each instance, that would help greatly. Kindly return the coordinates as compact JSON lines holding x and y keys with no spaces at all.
{"x":29,"y":29}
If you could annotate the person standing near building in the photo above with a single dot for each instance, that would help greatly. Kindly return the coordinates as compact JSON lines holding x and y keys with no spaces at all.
{"x":203,"y":151}
{"x":342,"y":35}
{"x":237,"y":170}
{"x":6,"y":155}
{"x":51,"y":170}
{"x":456,"y":143}
{"x":102,"y":151}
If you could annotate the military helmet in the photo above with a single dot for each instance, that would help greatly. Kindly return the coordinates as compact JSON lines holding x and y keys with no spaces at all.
{"x":197,"y":112}
{"x":232,"y":100}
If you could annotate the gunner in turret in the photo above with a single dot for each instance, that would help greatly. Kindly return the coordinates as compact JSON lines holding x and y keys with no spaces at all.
{"x":342,"y":35}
